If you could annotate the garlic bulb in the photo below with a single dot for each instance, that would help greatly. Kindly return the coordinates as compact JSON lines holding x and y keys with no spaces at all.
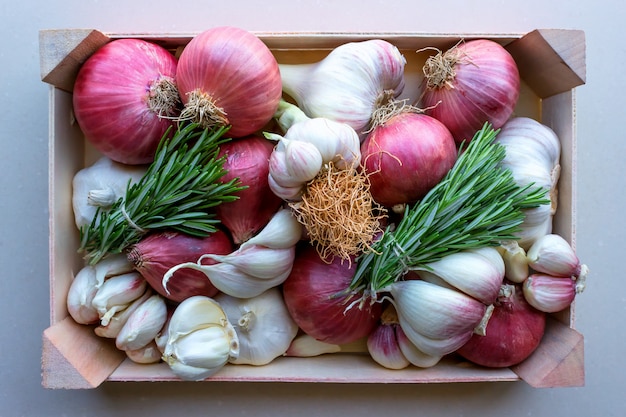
{"x":436,"y":320}
{"x":515,"y":261}
{"x":264,"y":327}
{"x":533,"y":152}
{"x":349,"y":83}
{"x":383,"y":345}
{"x":476,"y":272}
{"x":307,"y":145}
{"x":99,"y":186}
{"x":200,"y":339}
{"x":306,"y":346}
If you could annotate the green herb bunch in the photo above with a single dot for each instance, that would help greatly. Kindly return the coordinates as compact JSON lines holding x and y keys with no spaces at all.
{"x":178,"y":192}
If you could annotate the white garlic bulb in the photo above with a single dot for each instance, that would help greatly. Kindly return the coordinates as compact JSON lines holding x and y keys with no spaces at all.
{"x":264,"y":327}
{"x":308,"y":145}
{"x":533,"y":153}
{"x":349,"y":83}
{"x":200,"y":339}
{"x":99,"y":186}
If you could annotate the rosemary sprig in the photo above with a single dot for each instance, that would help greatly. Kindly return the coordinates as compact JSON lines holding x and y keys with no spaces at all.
{"x":177,"y":192}
{"x":477,"y":204}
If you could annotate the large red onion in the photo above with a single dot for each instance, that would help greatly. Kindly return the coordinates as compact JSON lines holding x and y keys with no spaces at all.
{"x":248,"y":159}
{"x":156,"y":253}
{"x":120,"y":94}
{"x":472,"y":83}
{"x":311,"y":295}
{"x":406,"y":156}
{"x":512,"y":334}
{"x":228,"y":76}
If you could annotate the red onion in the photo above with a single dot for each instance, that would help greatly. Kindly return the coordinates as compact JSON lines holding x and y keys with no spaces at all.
{"x":248,"y":159}
{"x":470,"y":84}
{"x":311,"y":295}
{"x":228,"y":76}
{"x":120,"y":94}
{"x":406,"y":156}
{"x":155,"y":254}
{"x":512,"y":334}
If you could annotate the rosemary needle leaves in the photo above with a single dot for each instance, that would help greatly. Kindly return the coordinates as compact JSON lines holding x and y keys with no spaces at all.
{"x":177,"y":192}
{"x":477,"y":204}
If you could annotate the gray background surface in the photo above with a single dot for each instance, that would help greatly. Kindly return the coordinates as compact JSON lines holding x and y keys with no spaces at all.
{"x":24,"y":292}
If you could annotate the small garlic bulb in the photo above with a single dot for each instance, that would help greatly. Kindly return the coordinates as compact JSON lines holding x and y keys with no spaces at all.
{"x":200,"y":339}
{"x":349,"y":83}
{"x":99,"y":186}
{"x":264,"y":327}
{"x":533,"y":152}
{"x":307,"y":146}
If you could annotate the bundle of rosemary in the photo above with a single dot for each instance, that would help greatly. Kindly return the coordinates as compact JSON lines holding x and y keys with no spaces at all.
{"x":177,"y":192}
{"x":477,"y":204}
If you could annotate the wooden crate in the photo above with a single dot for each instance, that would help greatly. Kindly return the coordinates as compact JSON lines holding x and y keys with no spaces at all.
{"x":551,"y":63}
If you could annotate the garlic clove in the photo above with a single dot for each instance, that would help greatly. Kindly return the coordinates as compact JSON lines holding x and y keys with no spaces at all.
{"x":285,"y":192}
{"x":259,"y":261}
{"x":116,"y":293}
{"x":305,"y":346}
{"x":413,"y":354}
{"x":434,"y":311}
{"x":279,"y":172}
{"x":112,"y":265}
{"x":80,"y":296}
{"x":435,"y":347}
{"x":143,"y":325}
{"x":118,"y":320}
{"x":549,"y":294}
{"x":303,"y":160}
{"x":383,"y":347}
{"x":515,"y":261}
{"x":551,"y":254}
{"x":282,"y":231}
{"x":477,"y":272}
{"x":147,"y":354}
{"x":230,"y":279}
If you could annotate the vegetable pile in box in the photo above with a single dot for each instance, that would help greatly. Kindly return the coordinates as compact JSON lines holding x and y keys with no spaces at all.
{"x":244,"y":208}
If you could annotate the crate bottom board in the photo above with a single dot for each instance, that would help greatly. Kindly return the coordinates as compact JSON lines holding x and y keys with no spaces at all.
{"x":74,"y":357}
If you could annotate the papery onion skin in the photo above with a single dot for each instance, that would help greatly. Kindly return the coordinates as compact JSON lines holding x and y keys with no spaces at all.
{"x":155,"y":254}
{"x":406,"y":157}
{"x":248,"y":159}
{"x":237,"y":71}
{"x":485,"y":88}
{"x":311,"y":295}
{"x":513,"y":333}
{"x":111,"y":94}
